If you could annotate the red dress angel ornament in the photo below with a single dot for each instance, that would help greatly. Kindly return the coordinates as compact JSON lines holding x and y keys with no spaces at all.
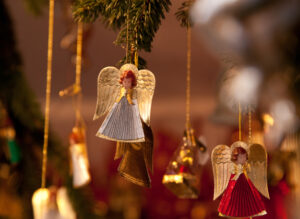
{"x":240,"y":171}
{"x":127,"y":95}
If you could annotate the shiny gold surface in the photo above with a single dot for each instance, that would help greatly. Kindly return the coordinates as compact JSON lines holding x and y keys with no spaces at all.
{"x":137,"y":157}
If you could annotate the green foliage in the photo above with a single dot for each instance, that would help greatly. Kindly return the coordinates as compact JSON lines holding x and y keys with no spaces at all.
{"x":183,"y":15}
{"x":35,"y":6}
{"x":140,"y":18}
{"x":141,"y":65}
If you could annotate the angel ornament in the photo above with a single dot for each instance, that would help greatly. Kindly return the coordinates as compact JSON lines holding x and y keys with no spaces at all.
{"x":240,"y":172}
{"x":127,"y":95}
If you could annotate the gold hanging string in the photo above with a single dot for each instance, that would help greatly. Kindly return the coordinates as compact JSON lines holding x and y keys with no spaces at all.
{"x":127,"y":31}
{"x":188,"y":79}
{"x":78,"y":72}
{"x":136,"y":56}
{"x":240,"y":123}
{"x":48,"y":91}
{"x":249,"y":126}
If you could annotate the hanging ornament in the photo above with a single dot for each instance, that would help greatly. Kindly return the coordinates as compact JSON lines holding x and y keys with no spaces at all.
{"x":14,"y":149}
{"x":80,"y":163}
{"x":78,"y":151}
{"x":127,"y":95}
{"x":137,"y":157}
{"x":64,"y":205}
{"x":241,"y":187}
{"x":52,"y":203}
{"x":40,"y":200}
{"x":8,"y":133}
{"x":240,"y":172}
{"x":182,"y":176}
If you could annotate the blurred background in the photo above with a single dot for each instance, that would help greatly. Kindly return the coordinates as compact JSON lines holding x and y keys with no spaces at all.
{"x":227,"y":37}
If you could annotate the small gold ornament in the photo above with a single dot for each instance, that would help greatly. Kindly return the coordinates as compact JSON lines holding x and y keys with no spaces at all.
{"x":127,"y":95}
{"x":80,"y":163}
{"x":137,"y":157}
{"x":183,"y":172}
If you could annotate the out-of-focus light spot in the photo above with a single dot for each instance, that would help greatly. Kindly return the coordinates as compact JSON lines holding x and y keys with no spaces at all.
{"x":283,"y":112}
{"x":204,"y":10}
{"x":176,"y":178}
{"x":268,"y":119}
{"x":240,"y":85}
{"x":245,"y":85}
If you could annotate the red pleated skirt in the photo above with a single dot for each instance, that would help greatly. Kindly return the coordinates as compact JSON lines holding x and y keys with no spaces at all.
{"x":241,"y":199}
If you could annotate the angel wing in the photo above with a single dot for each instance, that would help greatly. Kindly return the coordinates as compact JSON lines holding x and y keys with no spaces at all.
{"x":258,"y":168}
{"x":145,"y":90}
{"x":221,"y":164}
{"x":108,"y":90}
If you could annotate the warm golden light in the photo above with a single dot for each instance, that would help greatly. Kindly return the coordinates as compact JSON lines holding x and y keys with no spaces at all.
{"x":64,"y":206}
{"x":268,"y":119}
{"x":40,"y":200}
{"x":173,"y":178}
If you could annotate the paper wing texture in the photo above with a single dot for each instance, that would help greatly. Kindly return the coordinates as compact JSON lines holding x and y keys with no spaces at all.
{"x":222,"y":166}
{"x":258,"y":168}
{"x":108,"y":90}
{"x":145,"y":90}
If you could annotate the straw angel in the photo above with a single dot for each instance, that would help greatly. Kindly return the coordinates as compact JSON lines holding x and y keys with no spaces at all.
{"x":126,"y":95}
{"x":240,"y":172}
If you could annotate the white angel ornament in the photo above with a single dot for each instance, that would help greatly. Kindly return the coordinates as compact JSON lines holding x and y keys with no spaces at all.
{"x":127,"y":95}
{"x":240,"y":172}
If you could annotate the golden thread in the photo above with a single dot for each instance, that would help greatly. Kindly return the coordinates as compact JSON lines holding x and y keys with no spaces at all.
{"x":79,"y":53}
{"x":127,"y":31}
{"x":136,"y":56}
{"x":249,"y":128}
{"x":78,"y":71}
{"x":188,"y":80}
{"x":240,"y":123}
{"x":48,"y":91}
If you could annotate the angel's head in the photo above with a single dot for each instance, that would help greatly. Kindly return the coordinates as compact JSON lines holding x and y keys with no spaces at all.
{"x":239,"y":155}
{"x":128,"y":79}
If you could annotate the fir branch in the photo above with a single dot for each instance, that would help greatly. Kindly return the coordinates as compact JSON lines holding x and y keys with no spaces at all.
{"x":183,"y":15}
{"x":145,"y":17}
{"x":35,"y":6}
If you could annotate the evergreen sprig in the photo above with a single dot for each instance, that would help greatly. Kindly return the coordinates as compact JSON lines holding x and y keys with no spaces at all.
{"x":141,"y":18}
{"x":35,"y":6}
{"x":183,"y":13}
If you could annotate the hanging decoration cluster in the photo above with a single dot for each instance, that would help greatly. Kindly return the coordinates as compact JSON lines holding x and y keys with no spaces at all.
{"x":126,"y":94}
{"x":183,"y":173}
